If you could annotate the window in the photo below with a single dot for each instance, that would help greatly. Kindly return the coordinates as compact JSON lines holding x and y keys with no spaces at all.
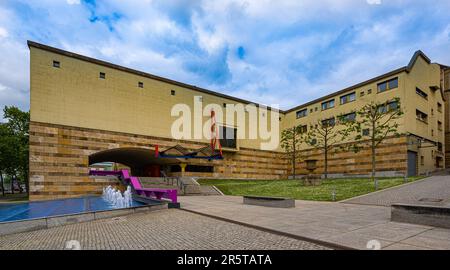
{"x":369,"y":91}
{"x":350,"y":117}
{"x":432,"y":132}
{"x":56,"y":64}
{"x":390,"y":106}
{"x":439,"y":107}
{"x":366,"y":132}
{"x":328,"y":122}
{"x":388,"y":85}
{"x":227,"y":137}
{"x":315,"y":109}
{"x":102,"y":75}
{"x":361,"y":94}
{"x":140,"y":84}
{"x":348,"y":98}
{"x":421,"y":116}
{"x":422,"y":160}
{"x":311,"y":111}
{"x":439,"y":146}
{"x":224,"y":105}
{"x":421,"y":93}
{"x":303,"y":129}
{"x":200,"y":99}
{"x":302,"y":113}
{"x":327,"y":105}
{"x":172,"y":92}
{"x":439,"y":125}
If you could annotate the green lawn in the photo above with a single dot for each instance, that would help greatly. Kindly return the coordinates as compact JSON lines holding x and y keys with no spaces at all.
{"x":345,"y":188}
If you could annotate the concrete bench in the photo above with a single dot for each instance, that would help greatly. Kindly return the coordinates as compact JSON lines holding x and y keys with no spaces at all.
{"x":429,"y":215}
{"x":269,"y":201}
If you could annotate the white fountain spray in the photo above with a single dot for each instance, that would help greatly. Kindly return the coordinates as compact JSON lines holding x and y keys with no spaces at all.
{"x":115,"y":197}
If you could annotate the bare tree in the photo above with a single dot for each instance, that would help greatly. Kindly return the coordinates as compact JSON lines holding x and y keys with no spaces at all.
{"x":375,"y":122}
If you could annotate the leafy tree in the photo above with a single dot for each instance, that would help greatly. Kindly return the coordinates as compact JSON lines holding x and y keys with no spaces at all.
{"x":14,"y":144}
{"x":374,"y":123}
{"x":324,"y":136}
{"x":4,"y":151}
{"x":291,"y":141}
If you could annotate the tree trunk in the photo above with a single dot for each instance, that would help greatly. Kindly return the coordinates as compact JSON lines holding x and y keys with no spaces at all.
{"x":326,"y":163}
{"x":294,"y":155}
{"x":2,"y":183}
{"x":373,"y":152}
{"x":12,"y":185}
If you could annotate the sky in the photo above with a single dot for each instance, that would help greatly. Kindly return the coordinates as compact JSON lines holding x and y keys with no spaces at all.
{"x":284,"y":52}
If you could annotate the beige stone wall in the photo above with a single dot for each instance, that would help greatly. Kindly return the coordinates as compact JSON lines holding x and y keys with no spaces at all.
{"x":391,"y":159}
{"x":59,"y":159}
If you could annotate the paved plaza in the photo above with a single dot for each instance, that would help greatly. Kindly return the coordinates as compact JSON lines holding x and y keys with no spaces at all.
{"x":224,"y":222}
{"x":349,"y":225}
{"x":434,"y":188}
{"x":164,"y":229}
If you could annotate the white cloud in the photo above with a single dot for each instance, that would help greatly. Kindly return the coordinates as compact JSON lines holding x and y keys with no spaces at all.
{"x":295,"y":51}
{"x":73,"y":2}
{"x":3,"y":33}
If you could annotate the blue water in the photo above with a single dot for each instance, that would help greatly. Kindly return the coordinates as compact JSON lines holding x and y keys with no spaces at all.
{"x":29,"y":210}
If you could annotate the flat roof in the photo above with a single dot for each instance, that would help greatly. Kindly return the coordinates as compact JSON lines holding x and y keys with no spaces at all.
{"x":206,"y":91}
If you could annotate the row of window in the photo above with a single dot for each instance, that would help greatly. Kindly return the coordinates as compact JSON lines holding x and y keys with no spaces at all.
{"x":102,"y":75}
{"x":382,"y":87}
{"x":424,"y":118}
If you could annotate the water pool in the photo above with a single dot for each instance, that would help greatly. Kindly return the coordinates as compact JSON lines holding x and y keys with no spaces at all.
{"x":31,"y":210}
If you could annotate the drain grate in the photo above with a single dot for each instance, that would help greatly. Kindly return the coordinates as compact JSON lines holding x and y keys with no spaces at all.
{"x":434,"y":200}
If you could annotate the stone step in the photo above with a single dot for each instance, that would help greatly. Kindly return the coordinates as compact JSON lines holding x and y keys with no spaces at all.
{"x":209,"y":191}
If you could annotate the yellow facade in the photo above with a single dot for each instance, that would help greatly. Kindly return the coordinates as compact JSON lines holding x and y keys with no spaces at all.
{"x":74,"y":95}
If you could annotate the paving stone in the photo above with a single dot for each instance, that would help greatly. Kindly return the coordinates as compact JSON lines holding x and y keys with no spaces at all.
{"x":436,"y":187}
{"x":165,"y":229}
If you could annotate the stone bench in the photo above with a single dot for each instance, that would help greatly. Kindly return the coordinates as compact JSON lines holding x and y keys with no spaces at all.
{"x":429,"y":215}
{"x":269,"y":201}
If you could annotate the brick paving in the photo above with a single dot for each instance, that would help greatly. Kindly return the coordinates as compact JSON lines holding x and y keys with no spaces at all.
{"x":349,"y":225}
{"x":166,"y":229}
{"x":436,"y":187}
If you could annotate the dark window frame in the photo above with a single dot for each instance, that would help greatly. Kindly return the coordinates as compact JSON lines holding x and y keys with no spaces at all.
{"x":326,"y":122}
{"x":421,"y":93}
{"x":303,"y":129}
{"x":342,"y":102}
{"x":421,"y":116}
{"x":439,"y":107}
{"x":56,"y":64}
{"x":333,"y":101}
{"x":388,"y":85}
{"x":344,"y":117}
{"x":225,"y":142}
{"x":301,"y":113}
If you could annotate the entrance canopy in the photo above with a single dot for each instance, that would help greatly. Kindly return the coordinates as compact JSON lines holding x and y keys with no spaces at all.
{"x":131,"y":157}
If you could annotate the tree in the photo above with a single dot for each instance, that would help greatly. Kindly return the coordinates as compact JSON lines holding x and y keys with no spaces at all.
{"x":291,"y":140}
{"x":14,"y":144}
{"x":4,"y":134}
{"x":324,"y":136}
{"x":374,"y":123}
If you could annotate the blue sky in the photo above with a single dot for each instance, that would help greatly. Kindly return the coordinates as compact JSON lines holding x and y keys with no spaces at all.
{"x":283,"y":52}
